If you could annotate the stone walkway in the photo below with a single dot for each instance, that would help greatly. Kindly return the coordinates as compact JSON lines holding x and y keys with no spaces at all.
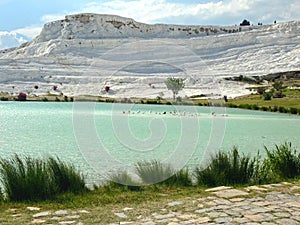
{"x":266,"y":204}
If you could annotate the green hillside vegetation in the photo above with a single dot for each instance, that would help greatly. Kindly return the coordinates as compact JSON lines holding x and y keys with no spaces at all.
{"x":280,"y":95}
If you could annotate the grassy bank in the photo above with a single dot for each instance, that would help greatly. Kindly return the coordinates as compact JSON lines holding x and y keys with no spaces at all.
{"x":288,"y":104}
{"x":231,"y":168}
{"x":28,"y":179}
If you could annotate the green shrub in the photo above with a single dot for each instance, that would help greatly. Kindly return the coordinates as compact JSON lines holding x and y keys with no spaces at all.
{"x":157,"y":174}
{"x":181,"y":178}
{"x":283,"y":161}
{"x":267,"y":96}
{"x":255,"y":107}
{"x":149,"y":101}
{"x":245,"y":106}
{"x":123,"y":181}
{"x":153,"y":172}
{"x":281,"y":109}
{"x":294,"y":110}
{"x":110,"y":100}
{"x":35,"y":179}
{"x":226,"y":169}
{"x":26,"y":179}
{"x":65,"y":176}
{"x":231,"y":105}
{"x":262,"y":172}
{"x":3,"y":99}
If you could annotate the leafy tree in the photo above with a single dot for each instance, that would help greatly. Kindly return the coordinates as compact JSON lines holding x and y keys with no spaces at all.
{"x":175,"y":85}
{"x":245,"y":23}
{"x":278,"y":86}
{"x":158,"y":98}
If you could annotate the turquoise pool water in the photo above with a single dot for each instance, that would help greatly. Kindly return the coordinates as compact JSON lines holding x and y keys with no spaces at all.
{"x":100,"y":137}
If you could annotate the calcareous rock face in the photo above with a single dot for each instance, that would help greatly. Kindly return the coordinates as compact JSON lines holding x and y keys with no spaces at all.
{"x":93,"y":26}
{"x":84,"y":53}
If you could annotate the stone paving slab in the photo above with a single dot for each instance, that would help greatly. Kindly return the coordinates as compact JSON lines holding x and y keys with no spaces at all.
{"x":230,"y":193}
{"x":264,"y":205}
{"x":221,"y":188}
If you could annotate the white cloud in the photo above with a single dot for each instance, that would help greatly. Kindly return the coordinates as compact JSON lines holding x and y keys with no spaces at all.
{"x":141,"y":10}
{"x":30,"y":32}
{"x":222,"y":12}
{"x":33,"y":31}
{"x":11,"y":39}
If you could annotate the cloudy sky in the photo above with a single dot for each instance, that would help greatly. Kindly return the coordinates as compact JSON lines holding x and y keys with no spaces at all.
{"x":28,"y":16}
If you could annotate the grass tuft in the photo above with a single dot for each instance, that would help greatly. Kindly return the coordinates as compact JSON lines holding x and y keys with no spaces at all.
{"x":153,"y":172}
{"x":226,"y":168}
{"x":26,"y":179}
{"x":180,"y":179}
{"x":35,"y":179}
{"x":124,"y":182}
{"x":66,"y":177}
{"x":283,"y":161}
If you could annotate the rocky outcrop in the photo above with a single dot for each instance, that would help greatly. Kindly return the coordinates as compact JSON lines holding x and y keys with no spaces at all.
{"x":95,"y":26}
